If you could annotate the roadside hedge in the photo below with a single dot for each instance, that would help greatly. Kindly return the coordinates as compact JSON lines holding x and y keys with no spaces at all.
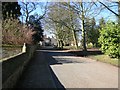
{"x":110,"y":39}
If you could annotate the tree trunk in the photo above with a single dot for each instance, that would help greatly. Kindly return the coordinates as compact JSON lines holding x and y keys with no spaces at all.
{"x":61,"y":44}
{"x":73,"y":31}
{"x":58,"y":43}
{"x":84,"y":38}
{"x":75,"y":39}
{"x":83,"y":30}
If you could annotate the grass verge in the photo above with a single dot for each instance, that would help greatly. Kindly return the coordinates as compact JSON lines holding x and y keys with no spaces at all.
{"x":72,"y":47}
{"x":105,"y":59}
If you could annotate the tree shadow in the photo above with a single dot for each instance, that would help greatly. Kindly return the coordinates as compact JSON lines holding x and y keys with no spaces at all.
{"x":56,"y":57}
{"x":56,"y":81}
{"x":50,"y":48}
{"x":36,"y":70}
{"x":87,"y":53}
{"x":80,"y":52}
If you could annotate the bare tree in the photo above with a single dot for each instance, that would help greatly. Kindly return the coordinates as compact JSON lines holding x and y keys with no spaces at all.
{"x":29,"y":7}
{"x":108,"y":6}
{"x":66,"y":20}
{"x":84,"y":10}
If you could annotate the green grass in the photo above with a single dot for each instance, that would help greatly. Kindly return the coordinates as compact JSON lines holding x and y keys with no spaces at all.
{"x":105,"y":59}
{"x":71,"y":47}
{"x":79,"y":47}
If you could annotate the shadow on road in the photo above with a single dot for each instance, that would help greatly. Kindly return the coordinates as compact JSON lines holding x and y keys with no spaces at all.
{"x":79,"y":52}
{"x":59,"y":57}
{"x":89,"y":52}
{"x":56,"y":80}
{"x":50,"y":48}
{"x":38,"y":74}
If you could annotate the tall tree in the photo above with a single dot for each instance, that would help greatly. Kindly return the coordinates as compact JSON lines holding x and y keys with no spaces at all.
{"x":92,"y":32}
{"x":35,"y":25}
{"x":83,"y":25}
{"x":72,"y":27}
{"x":84,"y":10}
{"x":29,"y":7}
{"x":11,"y":9}
{"x":63,"y":25}
{"x":101,"y":22}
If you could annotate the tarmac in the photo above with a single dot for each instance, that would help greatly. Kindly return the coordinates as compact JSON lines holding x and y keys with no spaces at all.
{"x":59,"y":69}
{"x":37,"y":74}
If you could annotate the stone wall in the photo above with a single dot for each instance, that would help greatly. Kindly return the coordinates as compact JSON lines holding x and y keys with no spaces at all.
{"x":13,"y":67}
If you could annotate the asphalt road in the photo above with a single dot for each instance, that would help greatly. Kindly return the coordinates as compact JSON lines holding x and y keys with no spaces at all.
{"x":59,"y":69}
{"x":80,"y":72}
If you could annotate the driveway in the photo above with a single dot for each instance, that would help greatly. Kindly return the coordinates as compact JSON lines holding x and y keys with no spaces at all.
{"x":80,"y":72}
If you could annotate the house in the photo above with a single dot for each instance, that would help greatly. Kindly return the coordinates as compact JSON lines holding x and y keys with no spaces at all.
{"x":53,"y":41}
{"x":47,"y":41}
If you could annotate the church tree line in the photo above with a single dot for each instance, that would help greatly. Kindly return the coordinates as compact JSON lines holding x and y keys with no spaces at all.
{"x":68,"y":21}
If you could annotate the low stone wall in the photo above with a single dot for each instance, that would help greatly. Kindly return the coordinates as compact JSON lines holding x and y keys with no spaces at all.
{"x":13,"y":67}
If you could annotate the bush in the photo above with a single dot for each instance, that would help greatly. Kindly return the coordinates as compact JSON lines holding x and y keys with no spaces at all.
{"x":110,"y":39}
{"x":89,"y":45}
{"x":14,"y":33}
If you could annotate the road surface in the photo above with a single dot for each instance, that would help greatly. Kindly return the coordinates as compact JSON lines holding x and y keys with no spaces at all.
{"x":60,"y":69}
{"x":79,"y":72}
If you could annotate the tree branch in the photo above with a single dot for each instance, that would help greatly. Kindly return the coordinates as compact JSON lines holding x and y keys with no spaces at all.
{"x":109,"y":8}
